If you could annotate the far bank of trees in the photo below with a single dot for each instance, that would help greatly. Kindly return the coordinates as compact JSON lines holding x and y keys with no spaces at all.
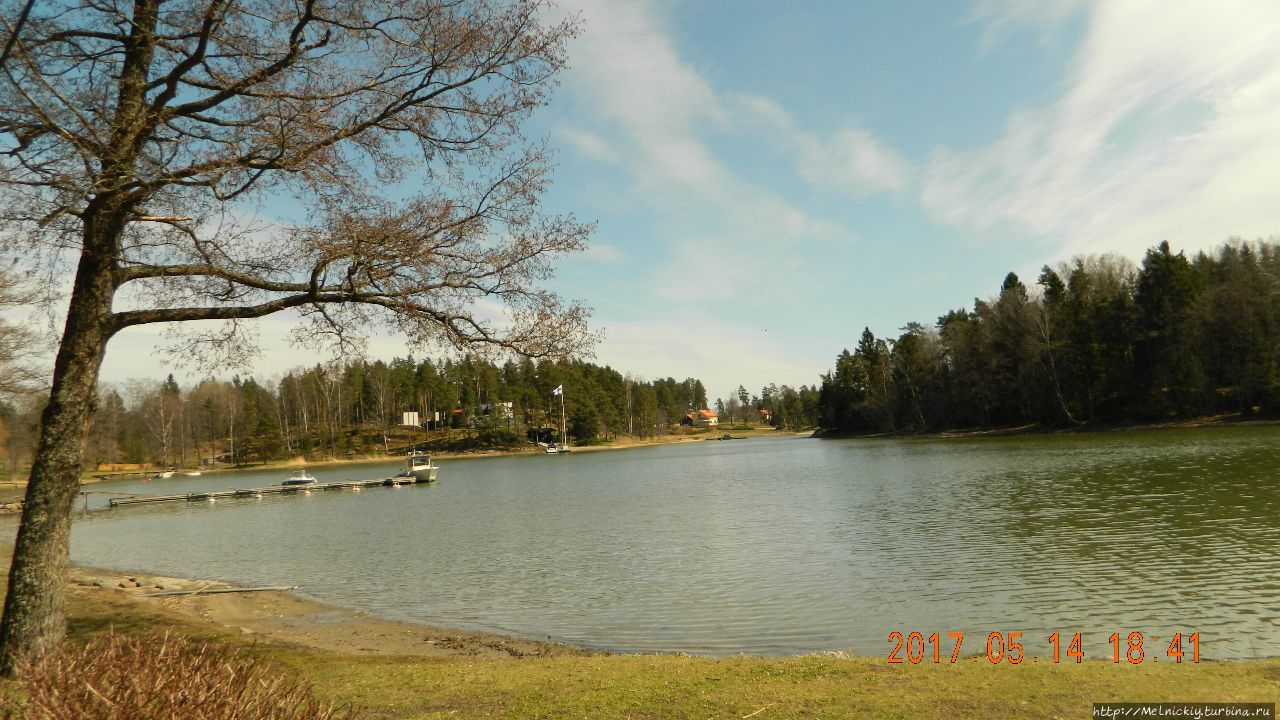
{"x":781,"y":406}
{"x":1093,"y":340}
{"x":338,"y":410}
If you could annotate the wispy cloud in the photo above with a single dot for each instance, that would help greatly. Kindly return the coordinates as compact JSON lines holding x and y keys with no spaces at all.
{"x":629,"y":75}
{"x":587,"y":144}
{"x":854,"y":160}
{"x":1002,"y":18}
{"x":664,"y":120}
{"x":1165,"y":131}
{"x":851,"y":161}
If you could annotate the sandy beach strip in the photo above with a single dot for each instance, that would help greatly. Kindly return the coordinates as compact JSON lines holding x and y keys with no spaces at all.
{"x":281,"y":617}
{"x":284,"y":618}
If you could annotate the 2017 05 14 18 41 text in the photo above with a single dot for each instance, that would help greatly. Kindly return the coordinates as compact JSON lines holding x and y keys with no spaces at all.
{"x":1007,"y":647}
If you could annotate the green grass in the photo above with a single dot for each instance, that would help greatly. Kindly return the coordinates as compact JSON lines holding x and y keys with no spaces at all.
{"x":670,"y":686}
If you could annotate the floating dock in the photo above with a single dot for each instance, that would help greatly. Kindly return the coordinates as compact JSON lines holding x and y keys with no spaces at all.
{"x":213,"y":495}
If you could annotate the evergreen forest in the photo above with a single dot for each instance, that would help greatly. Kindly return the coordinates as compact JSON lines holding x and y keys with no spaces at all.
{"x":1094,"y":340}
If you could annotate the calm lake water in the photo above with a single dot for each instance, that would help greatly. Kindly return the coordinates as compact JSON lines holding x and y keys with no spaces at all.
{"x":773,"y":545}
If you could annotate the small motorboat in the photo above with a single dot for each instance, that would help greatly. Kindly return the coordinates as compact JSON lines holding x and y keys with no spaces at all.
{"x":164,"y":475}
{"x":421,"y":468}
{"x":301,"y":478}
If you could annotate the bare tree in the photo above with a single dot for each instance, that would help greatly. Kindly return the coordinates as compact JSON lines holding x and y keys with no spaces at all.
{"x":20,"y":345}
{"x":160,"y":407}
{"x":164,"y":147}
{"x":378,"y":376}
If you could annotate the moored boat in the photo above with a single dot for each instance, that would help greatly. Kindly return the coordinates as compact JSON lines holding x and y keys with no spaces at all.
{"x":421,"y":468}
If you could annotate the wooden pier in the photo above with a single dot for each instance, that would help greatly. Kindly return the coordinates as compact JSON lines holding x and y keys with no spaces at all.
{"x":214,"y":495}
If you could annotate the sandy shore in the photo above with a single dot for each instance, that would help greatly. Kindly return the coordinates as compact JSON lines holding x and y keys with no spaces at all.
{"x":282,"y":618}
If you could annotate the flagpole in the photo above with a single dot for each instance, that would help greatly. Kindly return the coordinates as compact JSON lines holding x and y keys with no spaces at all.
{"x":563,"y":432}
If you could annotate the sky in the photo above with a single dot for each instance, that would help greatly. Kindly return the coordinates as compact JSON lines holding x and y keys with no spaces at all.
{"x":767,"y":179}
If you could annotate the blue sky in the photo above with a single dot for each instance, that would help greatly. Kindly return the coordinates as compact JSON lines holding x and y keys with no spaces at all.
{"x":767,"y":178}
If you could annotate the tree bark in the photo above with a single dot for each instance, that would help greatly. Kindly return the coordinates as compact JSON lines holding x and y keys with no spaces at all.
{"x":34,"y":620}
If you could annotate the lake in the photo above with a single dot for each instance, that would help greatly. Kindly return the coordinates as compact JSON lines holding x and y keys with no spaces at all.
{"x":775,"y":545}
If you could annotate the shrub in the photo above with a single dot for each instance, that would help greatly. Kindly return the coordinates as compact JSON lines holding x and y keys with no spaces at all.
{"x":162,"y":677}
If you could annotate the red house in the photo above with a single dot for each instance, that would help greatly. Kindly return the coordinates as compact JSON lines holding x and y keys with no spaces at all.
{"x":700,"y":417}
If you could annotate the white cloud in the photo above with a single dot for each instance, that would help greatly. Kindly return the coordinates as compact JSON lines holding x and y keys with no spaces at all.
{"x":851,"y":160}
{"x":587,"y":144}
{"x":1166,"y":131}
{"x":637,"y":78}
{"x":662,"y":117}
{"x":854,"y":160}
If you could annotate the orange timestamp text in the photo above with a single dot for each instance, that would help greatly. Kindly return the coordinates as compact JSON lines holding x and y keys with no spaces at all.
{"x":1009,"y":647}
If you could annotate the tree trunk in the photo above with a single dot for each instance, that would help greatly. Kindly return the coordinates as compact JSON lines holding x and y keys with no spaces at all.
{"x":34,"y":615}
{"x":1046,"y":337}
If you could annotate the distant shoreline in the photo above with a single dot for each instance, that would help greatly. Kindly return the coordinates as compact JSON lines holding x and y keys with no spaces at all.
{"x":15,"y":488}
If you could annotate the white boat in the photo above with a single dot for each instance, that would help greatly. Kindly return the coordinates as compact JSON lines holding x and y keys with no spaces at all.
{"x":193,"y":473}
{"x":421,"y":468}
{"x":552,"y":449}
{"x":301,"y":478}
{"x":164,"y":475}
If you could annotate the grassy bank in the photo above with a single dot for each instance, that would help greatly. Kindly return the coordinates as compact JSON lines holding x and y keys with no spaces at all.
{"x":649,"y":686}
{"x":676,"y":686}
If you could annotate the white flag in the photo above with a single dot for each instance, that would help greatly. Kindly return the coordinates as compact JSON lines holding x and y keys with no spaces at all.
{"x":558,"y":391}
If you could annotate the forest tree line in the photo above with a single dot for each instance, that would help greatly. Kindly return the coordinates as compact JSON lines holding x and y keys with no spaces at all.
{"x":1096,"y":339}
{"x":341,"y":409}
